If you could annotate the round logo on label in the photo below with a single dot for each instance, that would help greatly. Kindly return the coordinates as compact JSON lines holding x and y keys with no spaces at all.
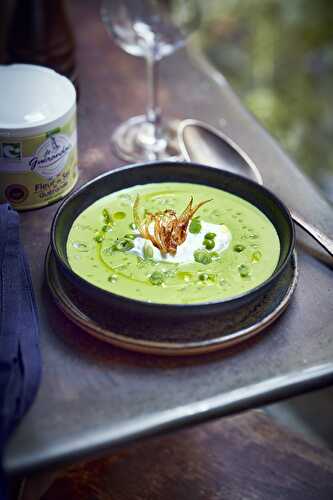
{"x":16,"y":193}
{"x":51,"y":156}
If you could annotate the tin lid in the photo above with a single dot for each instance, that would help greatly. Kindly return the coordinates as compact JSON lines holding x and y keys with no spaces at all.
{"x":33,"y":98}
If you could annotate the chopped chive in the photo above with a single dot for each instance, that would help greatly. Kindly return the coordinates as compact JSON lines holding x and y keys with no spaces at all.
{"x":156,"y":278}
{"x":99,"y":237}
{"x":207,"y":277}
{"x":202,"y":257}
{"x":107,"y":217}
{"x":123,"y":245}
{"x":209,"y":244}
{"x":113,"y":278}
{"x":195,"y":226}
{"x":244,"y":271}
{"x":239,"y":248}
{"x":203,"y":276}
{"x":210,"y":236}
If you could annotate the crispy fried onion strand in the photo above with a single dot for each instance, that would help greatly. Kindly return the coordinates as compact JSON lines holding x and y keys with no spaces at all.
{"x":169,"y":230}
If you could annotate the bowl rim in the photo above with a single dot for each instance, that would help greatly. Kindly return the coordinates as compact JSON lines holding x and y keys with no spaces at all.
{"x":158,"y":305}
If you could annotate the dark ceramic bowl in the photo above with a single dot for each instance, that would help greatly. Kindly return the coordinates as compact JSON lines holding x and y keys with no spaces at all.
{"x":145,"y":173}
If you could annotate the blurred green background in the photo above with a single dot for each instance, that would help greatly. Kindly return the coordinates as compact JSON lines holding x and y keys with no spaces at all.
{"x":278,"y":57}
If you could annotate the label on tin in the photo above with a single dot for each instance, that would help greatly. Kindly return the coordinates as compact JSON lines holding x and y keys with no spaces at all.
{"x":37,"y":170}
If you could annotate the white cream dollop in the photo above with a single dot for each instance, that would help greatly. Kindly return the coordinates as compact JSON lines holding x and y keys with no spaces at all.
{"x":193,"y":242}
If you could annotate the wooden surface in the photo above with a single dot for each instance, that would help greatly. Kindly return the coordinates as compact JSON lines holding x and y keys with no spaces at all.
{"x":246,"y":457}
{"x":94,"y":397}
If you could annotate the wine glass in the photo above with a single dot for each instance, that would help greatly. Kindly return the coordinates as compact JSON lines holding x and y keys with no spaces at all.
{"x":151,"y":29}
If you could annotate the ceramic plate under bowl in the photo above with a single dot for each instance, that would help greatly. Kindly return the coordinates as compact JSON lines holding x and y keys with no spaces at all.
{"x":194,"y":336}
{"x":156,"y":172}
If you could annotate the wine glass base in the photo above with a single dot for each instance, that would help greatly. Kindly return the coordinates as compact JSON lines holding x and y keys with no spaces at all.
{"x":130,"y":141}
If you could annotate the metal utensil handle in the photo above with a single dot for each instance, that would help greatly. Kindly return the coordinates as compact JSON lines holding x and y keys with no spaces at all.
{"x":319,"y":236}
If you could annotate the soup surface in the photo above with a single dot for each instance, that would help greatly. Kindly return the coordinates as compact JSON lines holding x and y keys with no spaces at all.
{"x":229,"y":246}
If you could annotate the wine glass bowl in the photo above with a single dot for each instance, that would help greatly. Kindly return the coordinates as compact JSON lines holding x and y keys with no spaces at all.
{"x":151,"y":29}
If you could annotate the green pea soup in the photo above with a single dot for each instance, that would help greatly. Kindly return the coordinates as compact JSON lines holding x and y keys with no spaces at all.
{"x":101,"y":240}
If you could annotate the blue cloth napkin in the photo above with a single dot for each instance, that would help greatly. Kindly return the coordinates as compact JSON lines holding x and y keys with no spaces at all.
{"x":20,"y":361}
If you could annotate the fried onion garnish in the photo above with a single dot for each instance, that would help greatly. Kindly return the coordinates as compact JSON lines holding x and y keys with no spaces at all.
{"x":169,"y":230}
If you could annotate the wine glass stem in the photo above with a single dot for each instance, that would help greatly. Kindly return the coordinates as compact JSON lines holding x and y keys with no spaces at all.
{"x":153,"y":112}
